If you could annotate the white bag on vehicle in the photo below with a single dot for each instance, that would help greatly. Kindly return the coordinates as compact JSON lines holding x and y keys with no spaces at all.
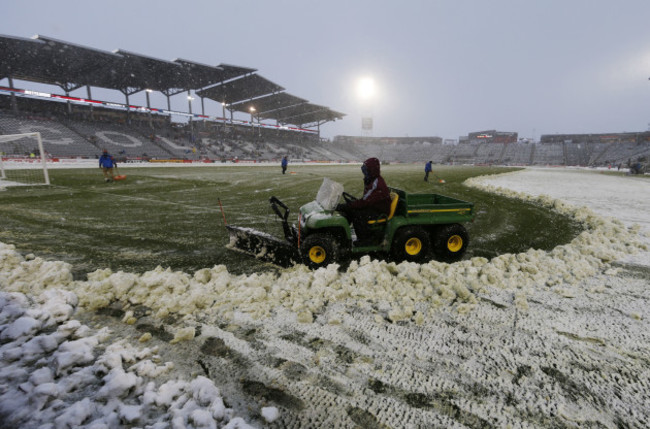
{"x":329,"y":194}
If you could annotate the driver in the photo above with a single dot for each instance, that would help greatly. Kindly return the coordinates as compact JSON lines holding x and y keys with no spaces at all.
{"x":374,"y":203}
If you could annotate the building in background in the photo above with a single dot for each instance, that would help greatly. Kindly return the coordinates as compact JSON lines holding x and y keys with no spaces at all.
{"x":491,"y":136}
{"x":606,"y":138}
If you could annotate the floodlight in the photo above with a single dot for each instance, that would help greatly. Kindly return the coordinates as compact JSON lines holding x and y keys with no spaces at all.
{"x":366,"y":88}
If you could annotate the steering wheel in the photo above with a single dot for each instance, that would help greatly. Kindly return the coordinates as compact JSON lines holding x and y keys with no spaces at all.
{"x":348,"y":198}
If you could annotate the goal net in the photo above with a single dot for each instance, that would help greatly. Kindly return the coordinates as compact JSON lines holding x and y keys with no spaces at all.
{"x":22,"y":160}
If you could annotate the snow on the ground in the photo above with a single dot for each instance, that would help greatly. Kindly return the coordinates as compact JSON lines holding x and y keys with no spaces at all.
{"x":59,"y":373}
{"x":621,"y":197}
{"x":535,"y":339}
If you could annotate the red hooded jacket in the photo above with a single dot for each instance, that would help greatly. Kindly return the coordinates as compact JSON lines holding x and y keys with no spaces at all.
{"x":375,"y":192}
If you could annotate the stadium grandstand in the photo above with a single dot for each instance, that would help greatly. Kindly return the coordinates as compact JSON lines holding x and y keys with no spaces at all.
{"x":79,"y":126}
{"x":276,"y":123}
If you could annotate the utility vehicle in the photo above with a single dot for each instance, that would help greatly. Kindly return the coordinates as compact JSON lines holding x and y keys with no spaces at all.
{"x":418,"y":227}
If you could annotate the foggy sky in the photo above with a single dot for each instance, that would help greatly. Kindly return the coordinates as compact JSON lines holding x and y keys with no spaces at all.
{"x":442,"y":68}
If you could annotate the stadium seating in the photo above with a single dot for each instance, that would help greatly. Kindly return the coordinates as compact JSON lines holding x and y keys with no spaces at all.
{"x":623,"y":153}
{"x":82,"y":133}
{"x":119,"y":139}
{"x":517,"y":154}
{"x":596,"y":153}
{"x":58,"y":140}
{"x":464,"y":153}
{"x":577,"y":154}
{"x":548,"y":154}
{"x":489,"y":153}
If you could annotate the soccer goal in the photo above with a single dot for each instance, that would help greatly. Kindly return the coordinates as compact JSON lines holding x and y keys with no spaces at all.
{"x":22,"y":160}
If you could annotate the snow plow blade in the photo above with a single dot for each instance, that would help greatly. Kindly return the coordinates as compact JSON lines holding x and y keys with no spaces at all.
{"x":262,"y":246}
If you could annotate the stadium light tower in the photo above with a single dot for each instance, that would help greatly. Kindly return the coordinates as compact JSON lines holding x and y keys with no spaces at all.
{"x":366,"y":92}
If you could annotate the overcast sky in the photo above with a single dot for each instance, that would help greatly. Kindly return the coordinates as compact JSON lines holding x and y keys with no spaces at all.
{"x":443,"y":68}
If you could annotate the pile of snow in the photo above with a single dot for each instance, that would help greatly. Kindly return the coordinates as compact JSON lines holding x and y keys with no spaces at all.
{"x":57,"y":373}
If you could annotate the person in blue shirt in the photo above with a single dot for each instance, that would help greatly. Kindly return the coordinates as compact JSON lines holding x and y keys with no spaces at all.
{"x":106,"y":163}
{"x":427,"y":170}
{"x":285,"y":162}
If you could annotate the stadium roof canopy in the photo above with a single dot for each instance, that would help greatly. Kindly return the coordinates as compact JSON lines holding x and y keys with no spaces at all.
{"x":202,"y":75}
{"x":306,"y":113}
{"x":245,"y":88}
{"x":268,"y":103}
{"x":70,"y":66}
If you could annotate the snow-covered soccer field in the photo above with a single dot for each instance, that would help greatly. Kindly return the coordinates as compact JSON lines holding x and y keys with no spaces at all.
{"x":554,"y":338}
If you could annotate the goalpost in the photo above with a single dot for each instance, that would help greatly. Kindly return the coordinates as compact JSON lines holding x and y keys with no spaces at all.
{"x":22,"y":160}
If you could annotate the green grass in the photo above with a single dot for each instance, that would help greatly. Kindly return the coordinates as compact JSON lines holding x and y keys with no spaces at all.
{"x":171,"y":217}
{"x":624,"y":173}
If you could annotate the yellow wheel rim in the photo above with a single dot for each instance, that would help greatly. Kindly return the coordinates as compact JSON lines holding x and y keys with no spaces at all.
{"x":317,"y":254}
{"x":455,"y":243}
{"x":413,"y":246}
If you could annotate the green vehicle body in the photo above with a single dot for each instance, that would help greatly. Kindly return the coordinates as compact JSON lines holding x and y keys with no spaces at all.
{"x":423,"y":213}
{"x":420,"y":227}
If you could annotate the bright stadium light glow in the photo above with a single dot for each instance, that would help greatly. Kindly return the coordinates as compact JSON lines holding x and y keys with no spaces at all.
{"x":366,"y":88}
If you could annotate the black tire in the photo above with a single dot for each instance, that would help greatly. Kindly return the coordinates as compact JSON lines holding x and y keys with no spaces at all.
{"x":450,"y":242}
{"x":319,"y":250}
{"x":411,"y":244}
